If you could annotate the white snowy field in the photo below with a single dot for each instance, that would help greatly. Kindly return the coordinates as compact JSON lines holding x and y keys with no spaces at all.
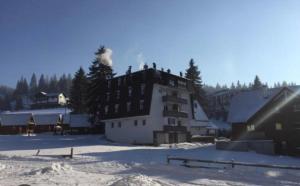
{"x":98,"y":162}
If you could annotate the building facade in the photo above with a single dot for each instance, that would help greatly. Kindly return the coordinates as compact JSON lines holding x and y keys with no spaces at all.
{"x":150,"y":107}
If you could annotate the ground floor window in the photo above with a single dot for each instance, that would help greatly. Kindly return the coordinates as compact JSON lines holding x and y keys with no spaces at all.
{"x":250,"y":128}
{"x":112,"y":124}
{"x":119,"y":124}
{"x":144,"y":122}
{"x":135,"y":123}
{"x":278,"y":126}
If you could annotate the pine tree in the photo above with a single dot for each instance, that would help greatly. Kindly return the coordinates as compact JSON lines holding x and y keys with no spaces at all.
{"x":53,"y":84}
{"x":238,"y":85}
{"x":257,"y":83}
{"x":78,"y":92}
{"x":33,"y":85}
{"x":42,"y":87}
{"x":193,"y":74}
{"x":97,"y":76}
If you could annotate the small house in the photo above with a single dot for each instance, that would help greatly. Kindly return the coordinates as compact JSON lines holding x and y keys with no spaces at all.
{"x":79,"y":124}
{"x":16,"y":123}
{"x":46,"y":122}
{"x":48,"y":100}
{"x":267,"y":114}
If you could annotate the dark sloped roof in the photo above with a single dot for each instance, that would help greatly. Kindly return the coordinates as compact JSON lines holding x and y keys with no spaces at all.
{"x":245,"y":104}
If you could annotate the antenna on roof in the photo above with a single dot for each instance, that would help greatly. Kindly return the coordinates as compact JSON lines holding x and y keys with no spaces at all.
{"x":154,"y":65}
{"x":129,"y":70}
{"x":145,"y":66}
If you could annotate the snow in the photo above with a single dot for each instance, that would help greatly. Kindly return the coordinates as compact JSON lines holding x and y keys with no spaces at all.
{"x":99,"y":162}
{"x":247,"y":103}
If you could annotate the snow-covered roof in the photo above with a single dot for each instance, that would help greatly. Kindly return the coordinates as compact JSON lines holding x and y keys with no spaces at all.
{"x":41,"y":111}
{"x":79,"y":120}
{"x":247,"y":103}
{"x":46,"y":119}
{"x":15,"y":119}
{"x":199,"y":113}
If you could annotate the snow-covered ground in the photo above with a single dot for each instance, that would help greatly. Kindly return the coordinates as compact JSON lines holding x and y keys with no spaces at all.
{"x":98,"y":162}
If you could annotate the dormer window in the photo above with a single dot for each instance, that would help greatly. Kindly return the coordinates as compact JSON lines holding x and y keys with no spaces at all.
{"x":107,"y":96}
{"x":143,"y":89}
{"x":129,"y":91}
{"x":106,"y":109}
{"x":128,"y":106}
{"x":116,"y":108}
{"x":119,"y":81}
{"x":172,"y":83}
{"x":109,"y":84}
{"x":142,"y":104}
{"x":118,"y":94}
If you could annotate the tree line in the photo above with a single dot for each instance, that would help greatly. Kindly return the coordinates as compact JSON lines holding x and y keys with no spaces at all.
{"x":13,"y":99}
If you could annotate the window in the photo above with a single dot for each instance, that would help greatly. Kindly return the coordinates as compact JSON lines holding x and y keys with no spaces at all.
{"x":179,"y":123}
{"x":119,"y":81}
{"x":171,"y":121}
{"x":118,"y":94}
{"x":112,"y":125}
{"x":278,"y":126}
{"x":144,"y":122}
{"x":135,"y":123}
{"x":195,"y":105}
{"x":129,"y":91}
{"x":109,"y":84}
{"x":250,"y":128}
{"x":172,"y":83}
{"x":128,"y":106}
{"x":143,"y":89}
{"x":119,"y":124}
{"x":141,"y":104}
{"x":116,"y":108}
{"x":181,"y":84}
{"x":107,"y":96}
{"x":106,"y":109}
{"x":296,"y":107}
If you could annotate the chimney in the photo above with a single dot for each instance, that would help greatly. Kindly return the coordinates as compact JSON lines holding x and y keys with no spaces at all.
{"x":145,"y":66}
{"x":169,"y":71}
{"x":266,"y":92}
{"x":154,"y":66}
{"x":129,"y":70}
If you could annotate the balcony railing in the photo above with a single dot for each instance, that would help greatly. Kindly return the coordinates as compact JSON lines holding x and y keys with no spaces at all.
{"x":169,"y":128}
{"x":174,"y":113}
{"x":174,"y":99}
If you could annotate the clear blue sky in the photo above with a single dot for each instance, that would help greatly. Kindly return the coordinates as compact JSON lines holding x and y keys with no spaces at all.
{"x":230,"y":40}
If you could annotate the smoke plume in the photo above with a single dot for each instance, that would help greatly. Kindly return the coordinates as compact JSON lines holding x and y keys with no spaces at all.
{"x":105,"y":58}
{"x":140,"y":60}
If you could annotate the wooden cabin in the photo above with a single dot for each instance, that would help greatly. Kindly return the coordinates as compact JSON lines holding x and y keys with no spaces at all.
{"x":46,"y":122}
{"x":80,"y":124}
{"x":268,"y":114}
{"x":19,"y":123}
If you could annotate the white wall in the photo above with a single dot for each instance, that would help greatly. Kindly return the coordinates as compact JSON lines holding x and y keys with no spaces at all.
{"x":128,"y":132}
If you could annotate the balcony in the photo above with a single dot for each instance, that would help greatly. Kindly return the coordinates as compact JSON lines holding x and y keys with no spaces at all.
{"x":174,"y":99}
{"x":174,"y":113}
{"x":169,"y":128}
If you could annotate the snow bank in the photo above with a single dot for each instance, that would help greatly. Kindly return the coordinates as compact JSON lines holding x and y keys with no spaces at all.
{"x":138,"y":180}
{"x":55,"y":168}
{"x":2,"y":167}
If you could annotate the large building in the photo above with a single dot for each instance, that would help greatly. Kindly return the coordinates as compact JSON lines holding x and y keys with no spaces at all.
{"x":267,"y":114}
{"x":151,"y":107}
